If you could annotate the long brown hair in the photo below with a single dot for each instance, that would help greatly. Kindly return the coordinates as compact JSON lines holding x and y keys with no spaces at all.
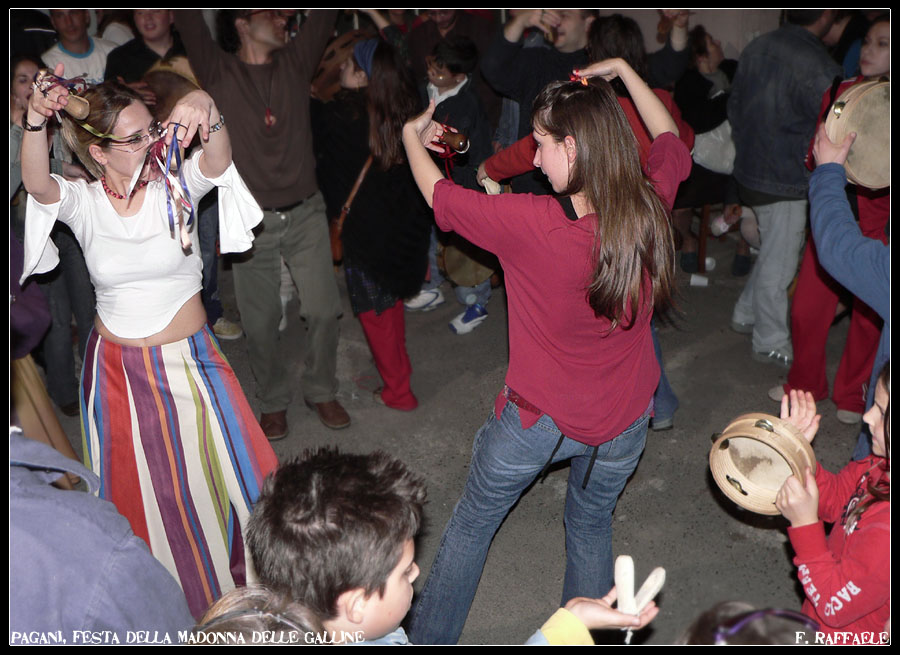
{"x":633,"y":241}
{"x":107,"y":101}
{"x":880,"y":491}
{"x":392,"y":100}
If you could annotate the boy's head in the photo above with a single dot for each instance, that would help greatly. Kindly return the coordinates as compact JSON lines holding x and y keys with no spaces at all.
{"x":451,"y":61}
{"x":336,"y":531}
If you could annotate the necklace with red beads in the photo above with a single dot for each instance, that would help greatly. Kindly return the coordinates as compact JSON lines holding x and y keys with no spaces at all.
{"x":119,"y":196}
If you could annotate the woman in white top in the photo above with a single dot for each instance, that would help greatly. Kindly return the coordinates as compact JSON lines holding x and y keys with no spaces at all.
{"x":165,"y":423}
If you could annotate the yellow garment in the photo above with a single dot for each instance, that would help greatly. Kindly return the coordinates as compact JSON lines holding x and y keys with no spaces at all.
{"x":566,"y":629}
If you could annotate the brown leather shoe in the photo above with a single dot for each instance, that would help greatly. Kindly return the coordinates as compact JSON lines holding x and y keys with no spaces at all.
{"x":332,"y":414}
{"x":274,"y":425}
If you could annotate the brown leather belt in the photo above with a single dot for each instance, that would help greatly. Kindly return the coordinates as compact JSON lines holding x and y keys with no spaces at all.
{"x":287,"y":208}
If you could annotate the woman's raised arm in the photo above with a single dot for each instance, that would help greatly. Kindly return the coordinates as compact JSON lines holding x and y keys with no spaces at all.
{"x":418,"y":135}
{"x":650,"y":108}
{"x":197,"y":112}
{"x":35,"y":153}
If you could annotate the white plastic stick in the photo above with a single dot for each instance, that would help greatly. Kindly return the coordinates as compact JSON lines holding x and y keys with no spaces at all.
{"x":625,"y":584}
{"x":652,"y":586}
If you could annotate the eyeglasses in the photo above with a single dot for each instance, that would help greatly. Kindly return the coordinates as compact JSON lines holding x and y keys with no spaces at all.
{"x":155,"y":131}
{"x":737,"y":623}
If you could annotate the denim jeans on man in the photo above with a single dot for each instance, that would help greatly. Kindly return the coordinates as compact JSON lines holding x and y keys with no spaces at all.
{"x":764,"y":301}
{"x":505,"y":460}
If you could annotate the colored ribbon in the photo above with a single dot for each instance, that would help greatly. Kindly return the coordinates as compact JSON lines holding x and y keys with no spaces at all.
{"x":446,"y":154}
{"x":178,"y":197}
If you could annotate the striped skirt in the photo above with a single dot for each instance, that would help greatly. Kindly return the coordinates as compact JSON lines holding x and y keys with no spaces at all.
{"x":180,"y":454}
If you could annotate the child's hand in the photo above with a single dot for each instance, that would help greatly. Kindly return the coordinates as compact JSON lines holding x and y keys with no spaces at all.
{"x":827,"y":151}
{"x":426,"y":130}
{"x":481,"y":175}
{"x":598,"y":614}
{"x":800,"y":411}
{"x":798,"y":501}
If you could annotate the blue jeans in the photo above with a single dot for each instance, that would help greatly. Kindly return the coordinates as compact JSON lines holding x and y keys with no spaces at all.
{"x":505,"y":460}
{"x":665,"y":402}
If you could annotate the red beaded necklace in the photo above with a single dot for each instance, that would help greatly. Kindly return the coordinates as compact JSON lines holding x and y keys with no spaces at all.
{"x":118,"y":196}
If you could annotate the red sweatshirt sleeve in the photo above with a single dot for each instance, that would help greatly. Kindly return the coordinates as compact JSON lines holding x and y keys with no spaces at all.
{"x":847,"y":576}
{"x":514,"y":160}
{"x":845,"y":586}
{"x":668,"y":164}
{"x":835,"y":489}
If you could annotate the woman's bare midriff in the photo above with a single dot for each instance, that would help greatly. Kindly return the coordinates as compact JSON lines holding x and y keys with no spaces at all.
{"x":189,"y":320}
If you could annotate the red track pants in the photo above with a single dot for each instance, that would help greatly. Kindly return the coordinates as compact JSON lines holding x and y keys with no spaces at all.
{"x":812,"y":312}
{"x":386,"y":334}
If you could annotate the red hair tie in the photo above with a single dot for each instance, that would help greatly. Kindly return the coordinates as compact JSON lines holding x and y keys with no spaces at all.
{"x":576,"y":77}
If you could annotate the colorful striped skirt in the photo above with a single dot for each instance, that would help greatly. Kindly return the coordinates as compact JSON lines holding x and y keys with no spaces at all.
{"x":179,"y":452}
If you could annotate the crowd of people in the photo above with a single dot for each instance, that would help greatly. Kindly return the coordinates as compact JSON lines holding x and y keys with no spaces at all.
{"x":143,"y":153}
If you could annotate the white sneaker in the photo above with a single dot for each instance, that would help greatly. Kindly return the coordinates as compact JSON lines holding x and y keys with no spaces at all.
{"x":225,"y":330}
{"x":778,"y":357}
{"x":470,"y":319}
{"x":425,"y":301}
{"x":847,"y":417}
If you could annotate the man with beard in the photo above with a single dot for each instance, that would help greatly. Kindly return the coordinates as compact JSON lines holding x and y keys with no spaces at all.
{"x":263,"y":91}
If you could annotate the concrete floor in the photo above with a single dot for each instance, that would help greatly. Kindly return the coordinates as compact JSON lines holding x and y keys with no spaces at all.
{"x":671,"y":513}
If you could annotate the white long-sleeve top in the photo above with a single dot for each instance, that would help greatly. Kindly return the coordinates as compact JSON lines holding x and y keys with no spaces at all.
{"x":140,"y":272}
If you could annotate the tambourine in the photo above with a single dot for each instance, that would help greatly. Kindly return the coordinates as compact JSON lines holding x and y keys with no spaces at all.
{"x":753,"y":457}
{"x":864,"y":108}
{"x":170,"y":80}
{"x":326,"y":82}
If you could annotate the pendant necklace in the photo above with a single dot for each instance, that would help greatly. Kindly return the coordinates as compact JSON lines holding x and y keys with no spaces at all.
{"x":269,"y":119}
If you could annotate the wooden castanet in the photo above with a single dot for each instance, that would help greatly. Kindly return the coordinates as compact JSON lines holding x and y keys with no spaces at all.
{"x":459,"y":142}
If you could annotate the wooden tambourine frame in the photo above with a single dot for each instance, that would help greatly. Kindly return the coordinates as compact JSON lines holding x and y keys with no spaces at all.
{"x":753,"y":457}
{"x":864,"y":108}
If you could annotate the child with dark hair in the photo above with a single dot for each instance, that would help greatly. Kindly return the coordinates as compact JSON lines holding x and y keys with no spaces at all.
{"x":334,"y":532}
{"x":450,"y":67}
{"x":846,"y":575}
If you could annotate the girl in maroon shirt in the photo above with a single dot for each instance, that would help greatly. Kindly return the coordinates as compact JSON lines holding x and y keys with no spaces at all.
{"x":584,"y":272}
